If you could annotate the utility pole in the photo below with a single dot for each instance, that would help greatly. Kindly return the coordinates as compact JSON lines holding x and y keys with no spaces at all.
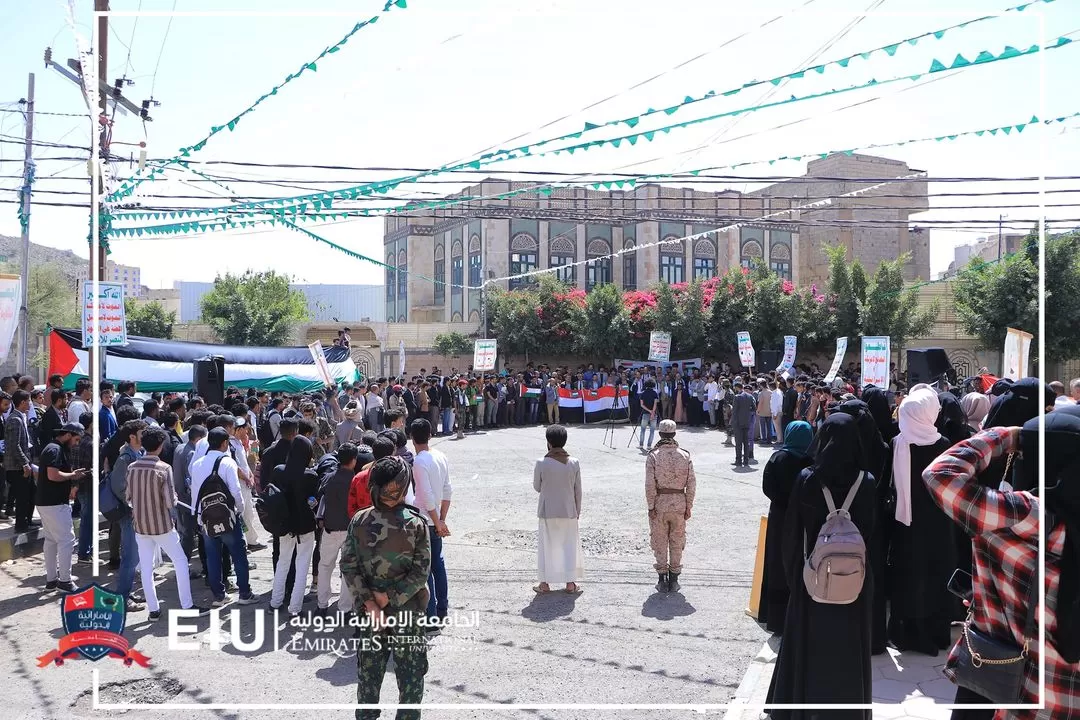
{"x":98,"y":188}
{"x":28,"y":179}
{"x":1001,"y":218}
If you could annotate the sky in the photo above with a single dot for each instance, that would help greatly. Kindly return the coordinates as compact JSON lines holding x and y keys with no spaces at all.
{"x":438,"y":82}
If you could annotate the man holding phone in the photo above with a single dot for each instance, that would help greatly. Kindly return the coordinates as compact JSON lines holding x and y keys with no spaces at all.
{"x":56,"y":488}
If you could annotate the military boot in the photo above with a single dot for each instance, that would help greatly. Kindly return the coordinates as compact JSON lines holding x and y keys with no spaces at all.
{"x":673,"y":582}
{"x":662,"y":583}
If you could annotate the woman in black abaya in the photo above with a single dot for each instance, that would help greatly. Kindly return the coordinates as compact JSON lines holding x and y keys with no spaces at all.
{"x":952,"y":420}
{"x":923,"y":552}
{"x":777,"y":482}
{"x":825,"y":652}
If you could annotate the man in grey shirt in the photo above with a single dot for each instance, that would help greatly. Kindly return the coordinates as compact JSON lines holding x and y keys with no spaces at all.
{"x":185,"y":519}
{"x":742,"y":414}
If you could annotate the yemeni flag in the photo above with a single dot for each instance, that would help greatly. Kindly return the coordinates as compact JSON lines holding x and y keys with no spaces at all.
{"x":593,"y":405}
{"x":168,"y":365}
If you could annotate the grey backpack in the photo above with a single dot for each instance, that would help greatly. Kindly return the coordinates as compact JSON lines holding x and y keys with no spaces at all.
{"x":835,"y":569}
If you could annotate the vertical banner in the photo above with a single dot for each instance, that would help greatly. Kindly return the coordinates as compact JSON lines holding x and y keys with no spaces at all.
{"x":746,"y":350}
{"x":484,"y":355}
{"x":789,"y":354}
{"x":875,"y":361}
{"x":1014,"y":362}
{"x":401,"y":358}
{"x":659,"y":346}
{"x":10,"y":298}
{"x":838,"y":359}
{"x":110,"y":324}
{"x":319,"y":357}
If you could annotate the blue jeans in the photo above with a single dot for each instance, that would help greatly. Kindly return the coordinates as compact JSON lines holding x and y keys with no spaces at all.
{"x":86,"y":523}
{"x":129,"y":557}
{"x":234,"y":541}
{"x":647,"y":420}
{"x":447,"y":421}
{"x":766,"y":433}
{"x":436,"y":582}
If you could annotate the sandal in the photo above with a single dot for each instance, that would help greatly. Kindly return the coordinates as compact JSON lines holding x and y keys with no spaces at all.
{"x":541,"y":589}
{"x":575,"y":591}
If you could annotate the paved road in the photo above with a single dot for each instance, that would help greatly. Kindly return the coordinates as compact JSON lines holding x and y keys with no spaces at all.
{"x":618,"y":642}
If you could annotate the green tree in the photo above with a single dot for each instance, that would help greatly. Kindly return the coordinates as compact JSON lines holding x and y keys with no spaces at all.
{"x":666,"y":314}
{"x":991,"y":297}
{"x":256,"y":308}
{"x":453,"y":344}
{"x":149,"y":319}
{"x":561,"y":314}
{"x":690,"y":335}
{"x":728,"y":313}
{"x":767,"y":321}
{"x":515,"y":321}
{"x":892,"y":310}
{"x":605,"y":327}
{"x":848,"y":287}
{"x":51,"y":299}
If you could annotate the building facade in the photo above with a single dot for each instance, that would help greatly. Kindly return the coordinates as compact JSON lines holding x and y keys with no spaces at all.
{"x":127,"y":275}
{"x":440,"y":256}
{"x":989,"y":249}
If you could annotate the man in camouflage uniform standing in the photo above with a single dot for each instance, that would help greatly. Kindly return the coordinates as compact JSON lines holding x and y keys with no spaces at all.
{"x":385,"y":560}
{"x":670,"y":485}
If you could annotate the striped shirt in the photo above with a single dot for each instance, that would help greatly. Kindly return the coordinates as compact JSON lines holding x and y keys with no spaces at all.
{"x":151,"y":495}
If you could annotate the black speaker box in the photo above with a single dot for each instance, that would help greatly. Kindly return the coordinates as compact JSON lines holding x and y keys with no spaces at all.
{"x":928,"y":365}
{"x":209,"y":382}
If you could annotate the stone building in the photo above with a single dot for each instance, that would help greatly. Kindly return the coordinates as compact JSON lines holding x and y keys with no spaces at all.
{"x":441,"y":253}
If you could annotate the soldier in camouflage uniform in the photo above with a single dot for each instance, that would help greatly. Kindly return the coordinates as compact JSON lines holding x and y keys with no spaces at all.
{"x":324,"y":435}
{"x":670,"y":485}
{"x":385,"y":560}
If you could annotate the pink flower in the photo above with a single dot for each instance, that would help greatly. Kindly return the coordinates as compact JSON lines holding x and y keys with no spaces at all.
{"x":745,"y":271}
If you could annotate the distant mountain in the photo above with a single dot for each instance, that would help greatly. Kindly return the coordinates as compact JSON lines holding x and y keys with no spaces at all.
{"x":72,"y":265}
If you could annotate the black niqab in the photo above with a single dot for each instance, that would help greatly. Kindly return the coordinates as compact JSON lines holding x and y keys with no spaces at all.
{"x":951,"y":420}
{"x":839,"y":454}
{"x":1014,"y":408}
{"x":878,"y":403}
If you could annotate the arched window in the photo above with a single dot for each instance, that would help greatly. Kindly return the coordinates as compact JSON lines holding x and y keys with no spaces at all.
{"x":391,"y":277}
{"x":524,"y":258}
{"x":629,"y":273}
{"x":704,"y":259}
{"x":563,"y":253}
{"x":475,"y":261}
{"x":598,"y":270}
{"x":440,"y":275}
{"x":672,"y":265}
{"x":457,"y":269}
{"x":751,"y":255}
{"x":403,"y":276}
{"x":780,"y":260}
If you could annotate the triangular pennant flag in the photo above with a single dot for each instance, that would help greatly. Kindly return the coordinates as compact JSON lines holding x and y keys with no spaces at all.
{"x":980,"y":133}
{"x":939,"y":34}
{"x":890,"y":50}
{"x":1062,"y":41}
{"x":776,"y":81}
{"x":994,"y":131}
{"x":401,"y":4}
{"x":866,"y":55}
{"x":732,"y":92}
{"x":232,"y":124}
{"x":983,"y":57}
{"x":801,"y":73}
{"x":843,"y":62}
{"x":913,"y":41}
{"x":616,"y":142}
{"x":1007,"y":129}
{"x":937,"y":66}
{"x":669,"y":111}
{"x":590,"y":126}
{"x":1020,"y":127}
{"x":633,"y":121}
{"x":649,"y":135}
{"x":819,"y":69}
{"x":632,"y":139}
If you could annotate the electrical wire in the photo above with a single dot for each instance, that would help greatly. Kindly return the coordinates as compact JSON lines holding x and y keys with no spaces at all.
{"x":56,"y":114}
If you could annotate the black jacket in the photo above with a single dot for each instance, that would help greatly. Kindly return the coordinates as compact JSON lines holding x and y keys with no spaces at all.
{"x":49,"y":422}
{"x":272,"y":457}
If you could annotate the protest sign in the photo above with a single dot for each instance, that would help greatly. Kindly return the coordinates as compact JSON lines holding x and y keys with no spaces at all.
{"x":789,"y":354}
{"x":746,"y":350}
{"x":659,"y":346}
{"x":484,"y":355}
{"x":875,"y":361}
{"x":10,"y":300}
{"x":109,"y":325}
{"x":838,"y":359}
{"x":316,"y":350}
{"x":1015,"y":358}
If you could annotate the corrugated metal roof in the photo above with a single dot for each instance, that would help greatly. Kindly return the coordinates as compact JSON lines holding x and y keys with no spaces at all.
{"x":326,"y":303}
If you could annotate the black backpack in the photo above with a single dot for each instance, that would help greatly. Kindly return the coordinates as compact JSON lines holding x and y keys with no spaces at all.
{"x":272,"y":506}
{"x":215,"y":504}
{"x":264,"y":432}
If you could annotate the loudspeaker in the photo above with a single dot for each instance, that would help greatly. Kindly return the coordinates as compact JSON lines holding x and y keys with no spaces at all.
{"x":927,"y":365}
{"x":768,"y":359}
{"x":209,"y":381}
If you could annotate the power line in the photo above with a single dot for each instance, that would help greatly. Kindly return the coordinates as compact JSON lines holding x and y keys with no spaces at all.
{"x":40,"y":112}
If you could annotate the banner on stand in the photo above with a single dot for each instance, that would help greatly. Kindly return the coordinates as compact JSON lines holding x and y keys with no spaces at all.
{"x":10,"y":300}
{"x":401,"y":358}
{"x":746,"y":350}
{"x":110,"y":323}
{"x":789,"y":354}
{"x":838,"y":359}
{"x":659,"y":346}
{"x":1017,"y":351}
{"x":875,"y":361}
{"x":484,"y":355}
{"x":317,"y":354}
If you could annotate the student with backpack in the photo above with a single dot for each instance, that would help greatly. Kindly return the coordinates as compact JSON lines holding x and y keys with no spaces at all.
{"x":300,"y":485}
{"x":219,"y":505}
{"x":825,"y":653}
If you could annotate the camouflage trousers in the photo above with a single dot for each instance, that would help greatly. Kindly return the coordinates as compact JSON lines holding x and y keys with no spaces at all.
{"x":409,"y":648}
{"x":667,"y":535}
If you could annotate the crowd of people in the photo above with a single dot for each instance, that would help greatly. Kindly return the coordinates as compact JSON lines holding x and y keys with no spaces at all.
{"x":941,"y":488}
{"x":938,"y":485}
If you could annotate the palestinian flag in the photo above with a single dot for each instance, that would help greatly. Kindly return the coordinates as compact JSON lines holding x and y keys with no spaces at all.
{"x":167,"y":365}
{"x":530,"y":392}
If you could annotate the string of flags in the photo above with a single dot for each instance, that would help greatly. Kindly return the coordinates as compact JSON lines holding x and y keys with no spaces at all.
{"x":325,"y":200}
{"x":321,"y":213}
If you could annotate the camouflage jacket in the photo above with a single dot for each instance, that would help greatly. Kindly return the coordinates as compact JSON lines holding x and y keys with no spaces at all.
{"x":669,"y":467}
{"x":388,"y":551}
{"x":325,"y":429}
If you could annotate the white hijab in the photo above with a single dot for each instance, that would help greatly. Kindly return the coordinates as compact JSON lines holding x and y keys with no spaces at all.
{"x":975,"y":406}
{"x":917,"y":417}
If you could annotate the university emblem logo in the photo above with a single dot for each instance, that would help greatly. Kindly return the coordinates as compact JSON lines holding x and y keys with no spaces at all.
{"x":93,"y":618}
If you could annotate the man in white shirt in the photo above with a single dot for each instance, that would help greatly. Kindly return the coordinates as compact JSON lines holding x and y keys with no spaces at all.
{"x":82,"y":400}
{"x":218,"y":454}
{"x":431,"y":475}
{"x":247,"y":479}
{"x":712,"y":395}
{"x":776,"y":407}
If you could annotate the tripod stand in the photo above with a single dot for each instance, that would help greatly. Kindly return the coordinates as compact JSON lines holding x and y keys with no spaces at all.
{"x":610,"y":430}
